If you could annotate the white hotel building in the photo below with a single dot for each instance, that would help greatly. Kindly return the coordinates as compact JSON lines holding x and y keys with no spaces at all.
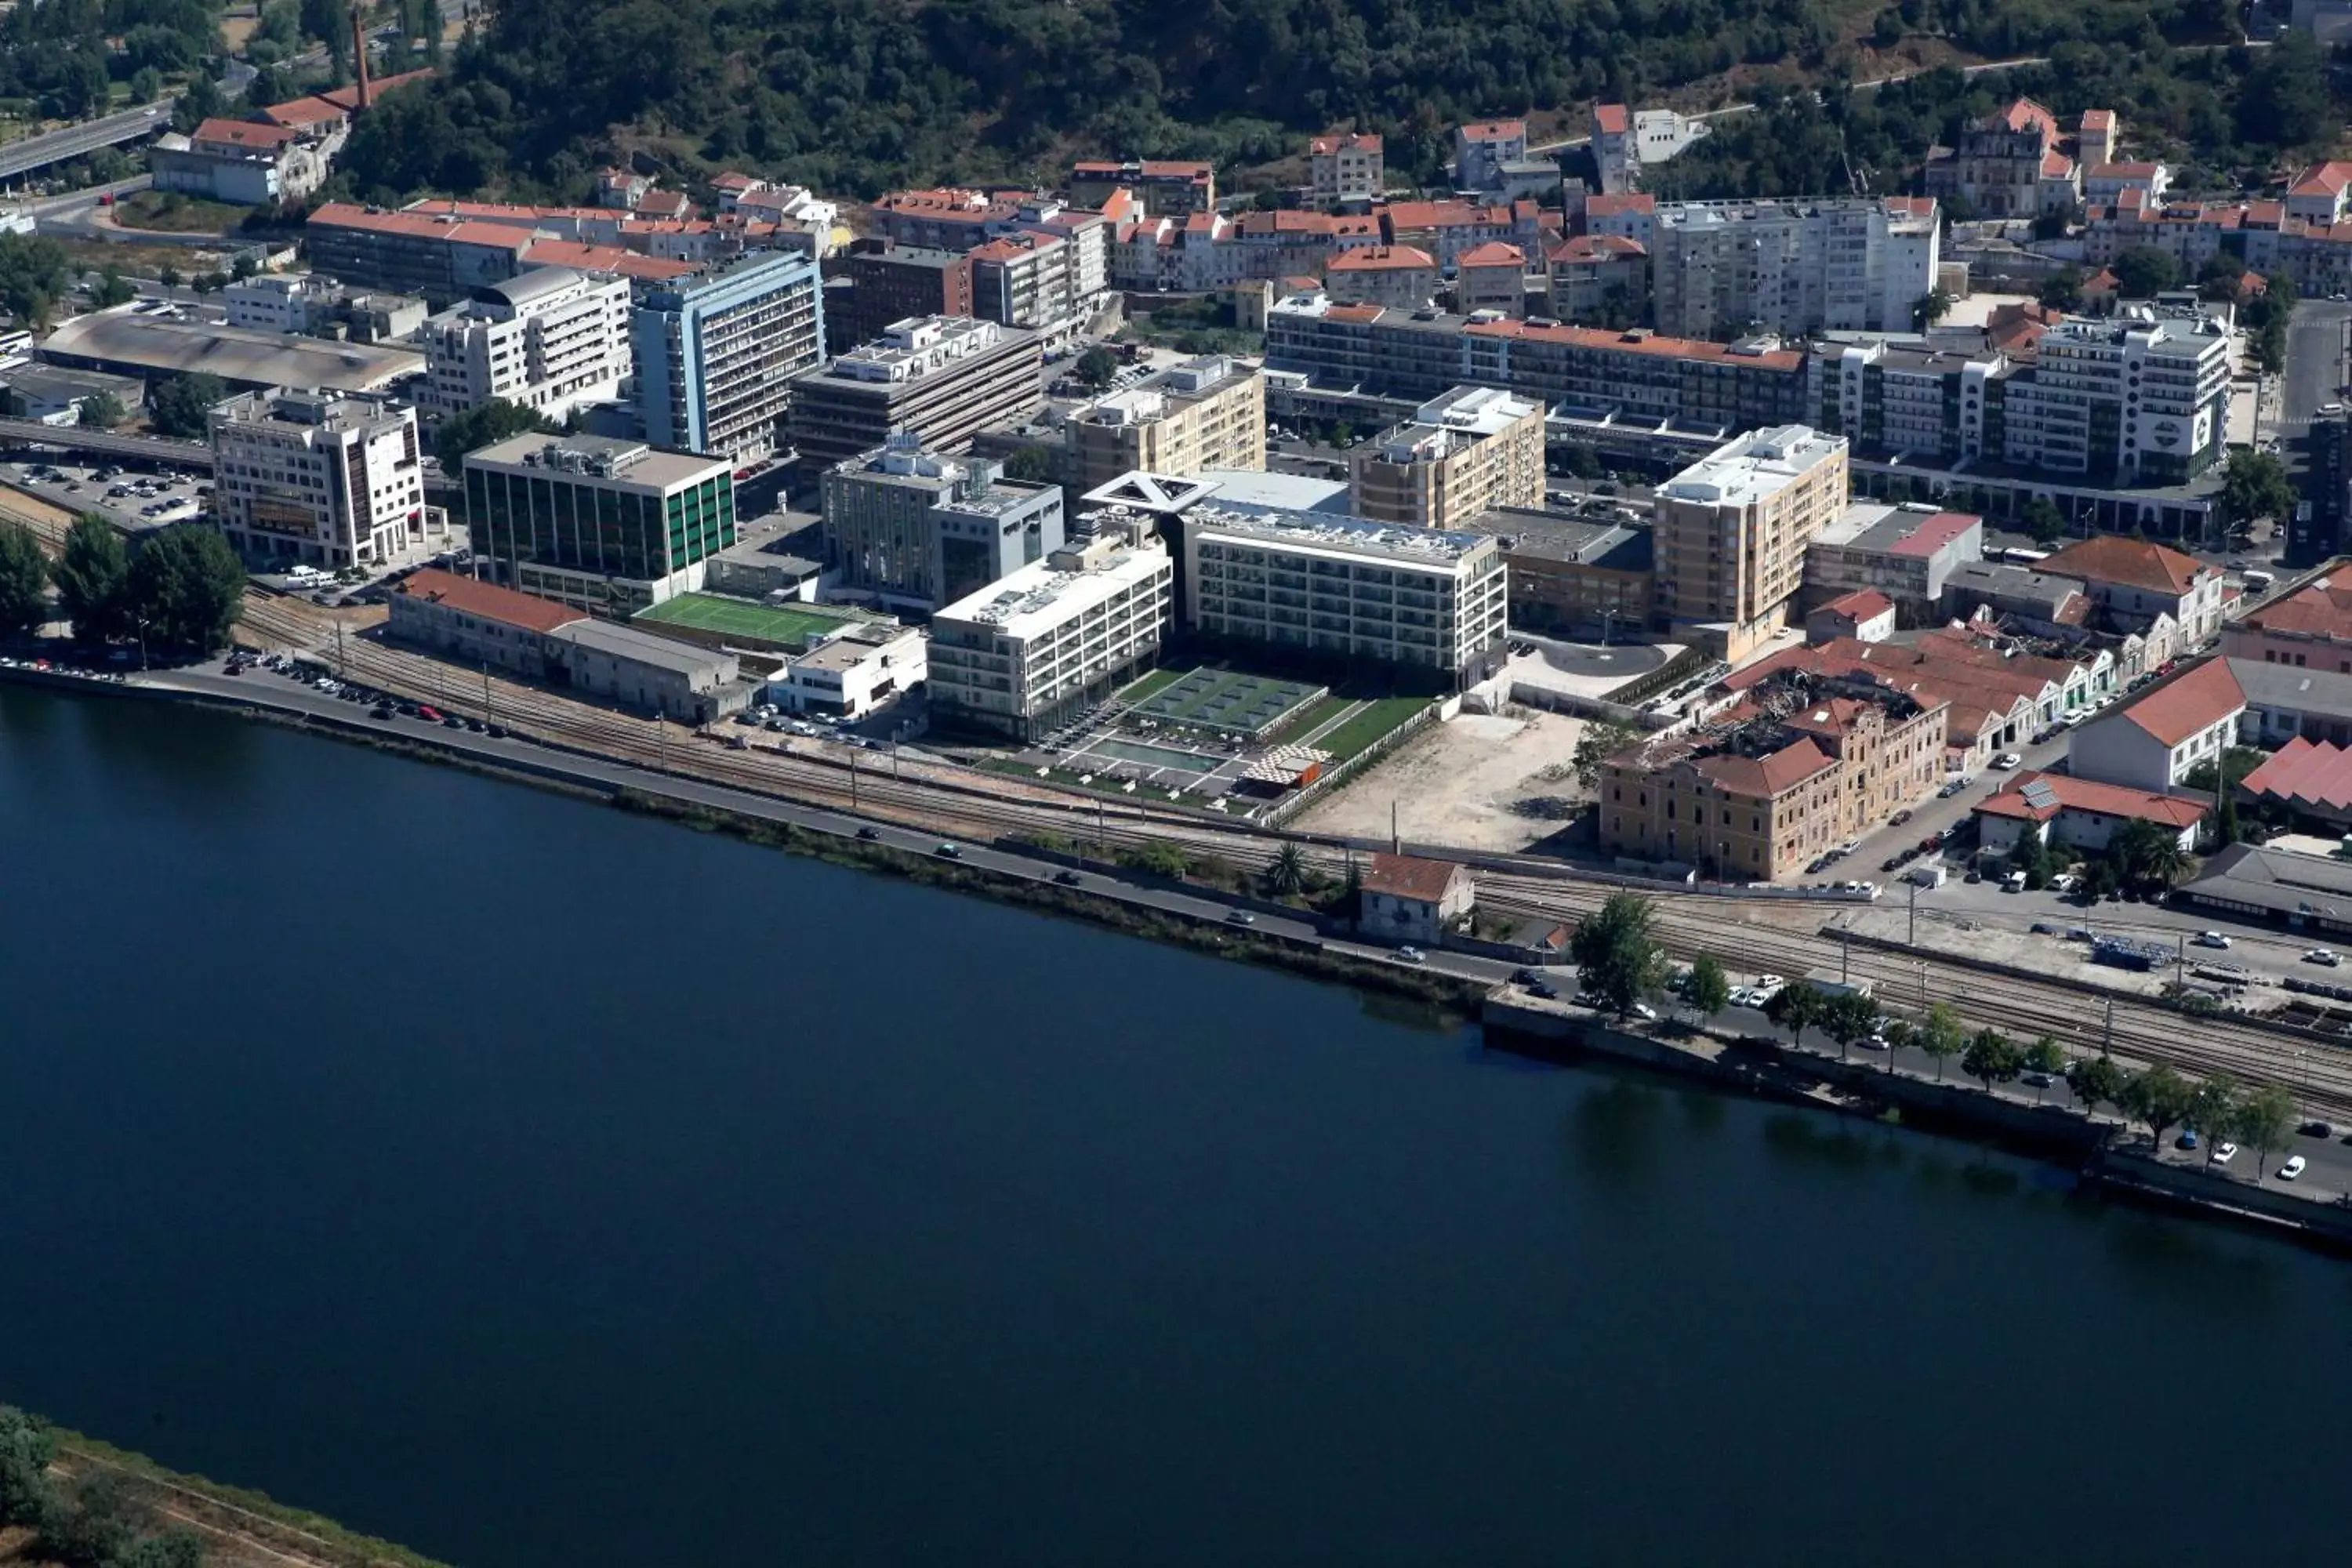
{"x":1025,"y":652}
{"x":1336,"y":588}
{"x":319,"y":479}
{"x":548,"y":339}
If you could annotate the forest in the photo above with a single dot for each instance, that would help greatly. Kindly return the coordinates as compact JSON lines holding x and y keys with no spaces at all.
{"x":857,"y":96}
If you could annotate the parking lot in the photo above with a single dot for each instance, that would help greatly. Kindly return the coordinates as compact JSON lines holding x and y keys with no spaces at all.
{"x":134,"y":495}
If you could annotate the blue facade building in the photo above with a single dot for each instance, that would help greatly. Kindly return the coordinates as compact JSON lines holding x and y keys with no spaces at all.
{"x":716,"y":354}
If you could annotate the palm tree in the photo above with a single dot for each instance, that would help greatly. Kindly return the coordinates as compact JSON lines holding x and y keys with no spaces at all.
{"x":1286,"y":872}
{"x":2165,"y":862}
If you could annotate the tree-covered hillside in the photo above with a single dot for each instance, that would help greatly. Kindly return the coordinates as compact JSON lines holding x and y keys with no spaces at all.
{"x":858,"y":95}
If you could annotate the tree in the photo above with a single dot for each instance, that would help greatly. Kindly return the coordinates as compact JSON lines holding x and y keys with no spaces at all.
{"x":24,"y":581}
{"x":183,"y":404}
{"x":26,"y":1450}
{"x":1795,"y":1007}
{"x":1991,"y":1057}
{"x":111,"y":290}
{"x":2063,"y":290}
{"x":2047,"y":1058}
{"x":187,"y":587}
{"x":103,"y":411}
{"x":1849,"y":1016}
{"x":1097,"y":367}
{"x":2265,"y":1121}
{"x":95,"y":1527}
{"x":1940,"y":1034}
{"x":146,"y":85}
{"x":2284,"y":102}
{"x":244,"y":267}
{"x":92,"y":574}
{"x":34,"y":274}
{"x":1618,"y":959}
{"x":169,"y":276}
{"x":2143,"y":271}
{"x":1932,"y":306}
{"x":1706,"y":988}
{"x":2213,"y":1110}
{"x":1602,"y":740}
{"x":172,"y":1548}
{"x":2254,"y":486}
{"x":2160,"y":1098}
{"x":480,"y":426}
{"x":2044,"y":522}
{"x":1029,"y":464}
{"x":2095,"y":1082}
{"x":2149,"y":854}
{"x":1286,"y":874}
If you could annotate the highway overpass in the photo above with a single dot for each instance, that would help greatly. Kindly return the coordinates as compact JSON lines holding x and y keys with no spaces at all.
{"x":194,"y":455}
{"x":20,"y":158}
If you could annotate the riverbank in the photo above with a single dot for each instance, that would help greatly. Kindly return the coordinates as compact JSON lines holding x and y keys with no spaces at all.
{"x":2095,"y":1147}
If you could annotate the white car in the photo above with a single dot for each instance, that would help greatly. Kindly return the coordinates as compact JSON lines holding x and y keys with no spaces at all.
{"x":2291,"y":1169}
{"x":2325,"y":956}
{"x":1412,"y":955}
{"x":1644,"y":1010}
{"x":1767,"y":984}
{"x":2210,"y":938}
{"x":2224,"y":1152}
{"x":2007,"y":760}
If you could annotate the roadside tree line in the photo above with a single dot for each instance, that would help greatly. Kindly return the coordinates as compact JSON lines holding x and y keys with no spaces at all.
{"x":1623,"y":966}
{"x":180,"y":593}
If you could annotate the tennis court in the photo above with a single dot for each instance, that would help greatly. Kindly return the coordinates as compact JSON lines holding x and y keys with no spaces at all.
{"x":791,"y":626}
{"x":1225,"y":700}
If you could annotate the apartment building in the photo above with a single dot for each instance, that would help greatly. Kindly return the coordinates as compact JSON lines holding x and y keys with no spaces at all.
{"x":1022,"y":655}
{"x":1168,"y":187}
{"x":605,"y":525}
{"x":890,"y":283}
{"x":1481,"y":149}
{"x":1636,"y":374}
{"x":2010,"y":164}
{"x":549,"y":341}
{"x":915,"y":530}
{"x":1472,"y":450}
{"x":1587,"y":581}
{"x":1598,"y":278}
{"x":1428,"y":607}
{"x":1491,"y":277}
{"x":1624,"y":143}
{"x":1907,"y":553}
{"x":1400,"y":276}
{"x":1857,"y":264}
{"x":942,"y":378}
{"x":440,"y":259}
{"x":1732,"y":530}
{"x":1346,"y":171}
{"x":1761,"y":791}
{"x":2142,"y":398}
{"x":318,"y":478}
{"x":1207,"y":412}
{"x":1028,"y":280}
{"x":716,"y":355}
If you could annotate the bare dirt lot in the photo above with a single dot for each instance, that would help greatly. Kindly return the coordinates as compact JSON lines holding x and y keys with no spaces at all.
{"x":1476,"y":782}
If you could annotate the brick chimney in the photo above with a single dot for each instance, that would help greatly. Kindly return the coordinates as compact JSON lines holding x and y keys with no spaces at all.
{"x":359,"y":56}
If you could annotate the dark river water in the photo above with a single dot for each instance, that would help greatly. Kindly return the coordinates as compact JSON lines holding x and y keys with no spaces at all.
{"x":538,"y":1185}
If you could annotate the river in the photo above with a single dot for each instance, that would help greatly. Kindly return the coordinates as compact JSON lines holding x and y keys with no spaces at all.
{"x":536,"y":1184}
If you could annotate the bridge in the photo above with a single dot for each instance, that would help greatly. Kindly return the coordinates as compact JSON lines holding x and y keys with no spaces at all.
{"x":17,"y":158}
{"x":194,"y":455}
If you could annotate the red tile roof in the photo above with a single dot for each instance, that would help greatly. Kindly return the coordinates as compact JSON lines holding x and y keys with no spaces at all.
{"x":2070,"y":794}
{"x":343,"y":214}
{"x":310,"y":110}
{"x":2132,"y":562}
{"x":1596,"y":248}
{"x":1640,"y":343}
{"x":2124,"y":171}
{"x":1381,"y":258}
{"x":1609,"y":205}
{"x":2098,"y":120}
{"x":1358,"y":142}
{"x":2027,"y":115}
{"x":1792,"y":765}
{"x":607,"y":259}
{"x":488,"y":601}
{"x":1496,"y":129}
{"x":1494,"y":253}
{"x":2193,"y":701}
{"x":1162,"y":169}
{"x":1612,"y":119}
{"x":2307,"y":772}
{"x":1862,"y":605}
{"x":243,"y":133}
{"x":2321,"y":610}
{"x":1411,"y":877}
{"x":2323,"y":180}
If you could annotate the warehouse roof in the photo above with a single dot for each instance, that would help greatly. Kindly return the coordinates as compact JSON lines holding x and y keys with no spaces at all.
{"x":115,"y":340}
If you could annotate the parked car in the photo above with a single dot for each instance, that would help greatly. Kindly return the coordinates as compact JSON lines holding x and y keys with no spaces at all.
{"x":1412,"y":955}
{"x":2316,"y":1129}
{"x":2325,"y":956}
{"x":2007,"y":760}
{"x":1240,"y":917}
{"x":1900,"y":817}
{"x":869,"y":833}
{"x":2210,"y":938}
{"x":2224,"y":1152}
{"x":1068,"y":878}
{"x":949,"y":852}
{"x":2292,"y":1168}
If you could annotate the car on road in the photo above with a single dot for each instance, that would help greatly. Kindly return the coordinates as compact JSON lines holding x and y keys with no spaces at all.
{"x":2328,"y":957}
{"x":1849,"y":846}
{"x":451,"y":721}
{"x":2224,"y":1152}
{"x":1545,"y":989}
{"x":2007,"y":760}
{"x":2210,"y":938}
{"x":2037,"y":1081}
{"x":2292,"y":1168}
{"x":1524,"y":977}
{"x":2043,"y":928}
{"x":949,"y":852}
{"x":1412,"y":955}
{"x":1069,"y":878}
{"x":2188,"y":1139}
{"x":1644,"y":1010}
{"x":1820,"y":864}
{"x":869,"y":833}
{"x":2316,"y":1129}
{"x":1951,"y":789}
{"x":1899,"y":818}
{"x":1240,"y":917}
{"x":381,"y":710}
{"x":1873,"y":1043}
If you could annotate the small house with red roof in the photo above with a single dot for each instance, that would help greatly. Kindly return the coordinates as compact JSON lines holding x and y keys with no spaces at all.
{"x":2153,"y":741}
{"x":2081,"y":813}
{"x":1408,"y":898}
{"x":1491,"y":277}
{"x":1865,"y":614}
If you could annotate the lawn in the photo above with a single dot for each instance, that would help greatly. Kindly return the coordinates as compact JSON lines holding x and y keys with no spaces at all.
{"x":785,"y":626}
{"x":1374,"y":720}
{"x":171,"y":212}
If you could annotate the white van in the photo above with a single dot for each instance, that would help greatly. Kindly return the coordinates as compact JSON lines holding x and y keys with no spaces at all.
{"x":2013,"y":883}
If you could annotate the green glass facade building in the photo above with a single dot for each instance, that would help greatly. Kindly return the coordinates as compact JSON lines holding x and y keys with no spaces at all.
{"x":606,"y":526}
